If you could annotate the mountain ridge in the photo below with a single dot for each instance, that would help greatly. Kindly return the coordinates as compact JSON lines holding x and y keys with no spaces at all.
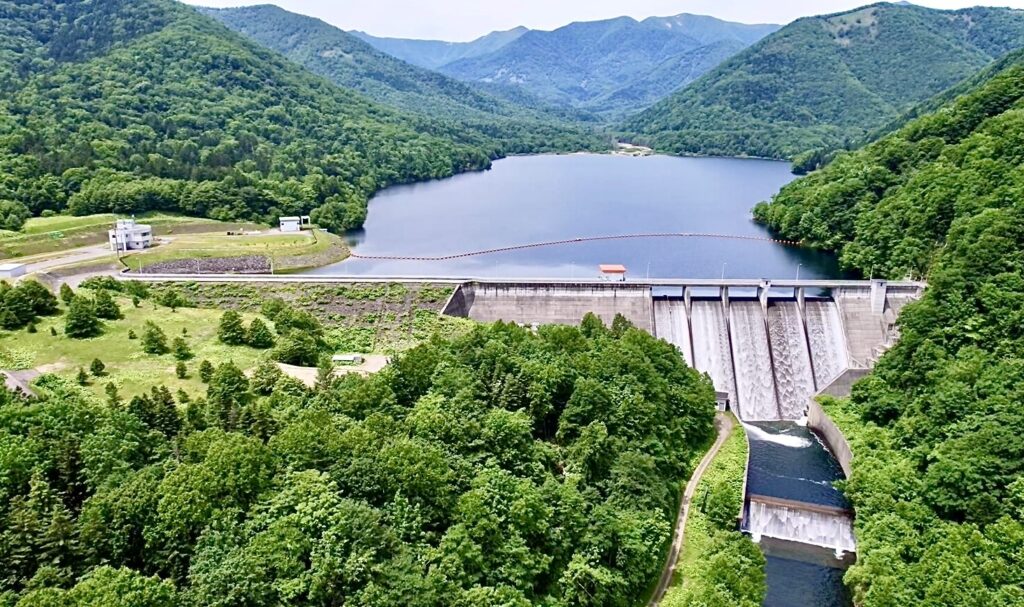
{"x":612,"y":66}
{"x":518,"y":126}
{"x":826,"y":81}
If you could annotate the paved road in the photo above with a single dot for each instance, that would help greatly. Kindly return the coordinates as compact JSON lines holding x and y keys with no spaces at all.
{"x":724,"y":423}
{"x":67,"y":258}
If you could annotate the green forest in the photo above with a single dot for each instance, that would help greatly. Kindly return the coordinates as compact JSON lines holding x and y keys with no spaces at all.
{"x":524,"y":126}
{"x":826,"y":82}
{"x":938,"y":480}
{"x":503,"y":467}
{"x":126,"y":107}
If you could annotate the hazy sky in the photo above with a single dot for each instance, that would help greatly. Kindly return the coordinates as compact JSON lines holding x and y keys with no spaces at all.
{"x":458,"y":20}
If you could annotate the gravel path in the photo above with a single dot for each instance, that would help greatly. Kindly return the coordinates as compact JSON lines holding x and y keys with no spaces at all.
{"x":724,"y":424}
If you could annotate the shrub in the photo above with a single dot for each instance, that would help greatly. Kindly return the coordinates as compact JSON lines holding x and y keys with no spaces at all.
{"x":258,"y":335}
{"x":83,"y":377}
{"x":181,"y":370}
{"x":298,"y":348}
{"x":205,"y":371}
{"x":66,"y":294}
{"x":154,"y":341}
{"x":97,"y":368}
{"x":181,"y":349}
{"x":53,"y":331}
{"x":231,"y":331}
{"x":106,"y":307}
{"x":81,"y":320}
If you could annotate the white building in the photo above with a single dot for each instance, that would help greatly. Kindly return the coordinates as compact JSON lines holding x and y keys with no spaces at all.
{"x":12,"y":270}
{"x":130,"y":236}
{"x":294,"y":224}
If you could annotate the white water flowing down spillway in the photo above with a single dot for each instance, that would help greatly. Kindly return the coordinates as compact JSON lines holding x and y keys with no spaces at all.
{"x":793,"y":375}
{"x":755,"y":382}
{"x":827,"y":340}
{"x":711,"y":345}
{"x":672,"y":326}
{"x":833,"y":531}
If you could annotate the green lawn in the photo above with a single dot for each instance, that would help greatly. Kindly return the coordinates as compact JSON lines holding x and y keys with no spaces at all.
{"x":286,"y":250}
{"x":129,"y":368}
{"x":42,"y":235}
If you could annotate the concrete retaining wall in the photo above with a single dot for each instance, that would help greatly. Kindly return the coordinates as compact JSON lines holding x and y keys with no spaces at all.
{"x":564,"y":304}
{"x":833,"y":437}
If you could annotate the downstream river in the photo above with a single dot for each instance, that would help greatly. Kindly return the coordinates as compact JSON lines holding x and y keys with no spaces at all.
{"x":531,"y":199}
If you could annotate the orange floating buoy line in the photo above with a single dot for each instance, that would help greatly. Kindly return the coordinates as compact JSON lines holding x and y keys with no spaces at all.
{"x":551,"y":243}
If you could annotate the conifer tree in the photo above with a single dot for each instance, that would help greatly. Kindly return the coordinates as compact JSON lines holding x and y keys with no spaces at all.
{"x":81,"y":320}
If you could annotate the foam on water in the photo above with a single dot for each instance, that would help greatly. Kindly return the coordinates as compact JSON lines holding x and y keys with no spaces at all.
{"x":786,"y":440}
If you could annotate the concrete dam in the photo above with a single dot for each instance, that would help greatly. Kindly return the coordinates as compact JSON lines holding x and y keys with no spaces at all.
{"x":768,"y":347}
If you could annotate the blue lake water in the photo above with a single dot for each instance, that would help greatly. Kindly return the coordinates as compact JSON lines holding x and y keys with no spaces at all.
{"x":533,"y":199}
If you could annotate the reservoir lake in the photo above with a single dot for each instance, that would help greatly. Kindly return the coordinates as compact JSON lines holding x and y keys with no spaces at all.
{"x":532,"y":199}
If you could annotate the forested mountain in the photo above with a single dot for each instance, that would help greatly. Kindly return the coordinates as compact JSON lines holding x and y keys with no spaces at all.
{"x":128,"y":106}
{"x":614,"y":66}
{"x":432,"y":54}
{"x":502,"y":467}
{"x":938,"y":480}
{"x":354,"y":64}
{"x":825,"y":82}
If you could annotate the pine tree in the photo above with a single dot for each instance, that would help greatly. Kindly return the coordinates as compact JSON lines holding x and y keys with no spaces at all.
{"x":97,"y":367}
{"x":181,"y":349}
{"x":131,"y":334}
{"x":83,"y":377}
{"x":106,"y":307}
{"x":205,"y":371}
{"x":258,"y":335}
{"x":231,"y":331}
{"x":181,"y":370}
{"x":66,"y":294}
{"x":135,"y":301}
{"x":53,"y":331}
{"x":113,"y":398}
{"x":81,"y":320}
{"x":154,"y":341}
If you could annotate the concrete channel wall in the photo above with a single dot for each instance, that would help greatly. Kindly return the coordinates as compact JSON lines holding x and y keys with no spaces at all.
{"x":546,"y":303}
{"x":822,"y":424}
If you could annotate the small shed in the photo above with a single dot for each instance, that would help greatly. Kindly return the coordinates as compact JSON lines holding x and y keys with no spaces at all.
{"x":613,"y":271}
{"x":347,"y":359}
{"x":12,"y":270}
{"x":294,"y":224}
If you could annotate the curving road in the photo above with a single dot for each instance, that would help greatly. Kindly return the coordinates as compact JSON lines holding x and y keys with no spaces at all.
{"x":724,"y":424}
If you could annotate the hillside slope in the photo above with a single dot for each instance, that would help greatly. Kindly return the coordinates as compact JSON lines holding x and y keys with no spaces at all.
{"x":432,"y":54}
{"x":938,"y":482}
{"x":130,"y":106}
{"x":612,"y":67}
{"x":351,"y":63}
{"x":825,"y":82}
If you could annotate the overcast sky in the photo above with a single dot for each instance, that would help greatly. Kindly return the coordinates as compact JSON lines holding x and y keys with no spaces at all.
{"x":459,"y":20}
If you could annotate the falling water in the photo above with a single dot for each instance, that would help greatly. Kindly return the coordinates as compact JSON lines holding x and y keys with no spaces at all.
{"x":711,"y":345}
{"x":754,"y":379}
{"x":833,"y":531}
{"x":793,"y":375}
{"x":827,"y":340}
{"x":671,"y":325}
